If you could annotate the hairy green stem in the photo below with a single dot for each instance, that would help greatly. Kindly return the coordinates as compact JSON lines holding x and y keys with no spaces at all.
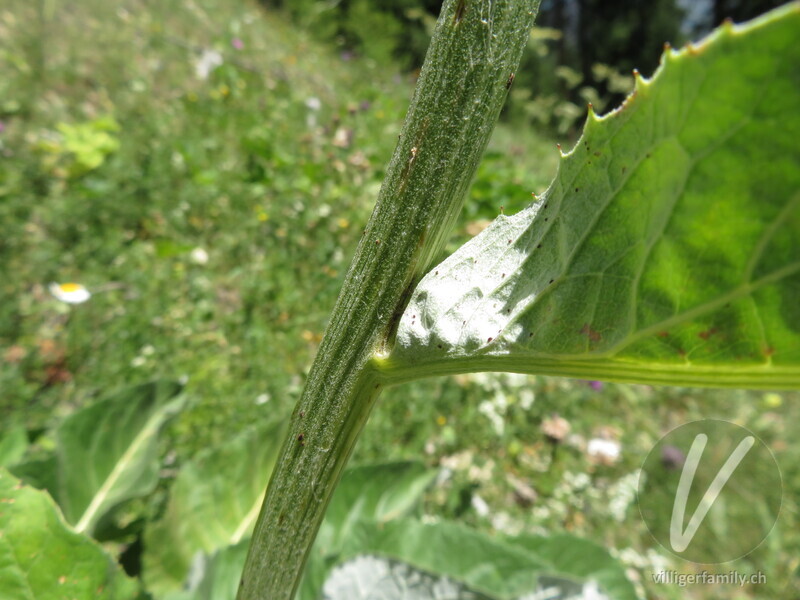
{"x":469,"y":67}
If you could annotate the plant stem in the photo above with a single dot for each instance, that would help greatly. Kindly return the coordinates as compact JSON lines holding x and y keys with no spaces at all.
{"x":469,"y":67}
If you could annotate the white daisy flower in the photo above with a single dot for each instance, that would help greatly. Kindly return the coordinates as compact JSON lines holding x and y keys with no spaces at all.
{"x":71,"y":293}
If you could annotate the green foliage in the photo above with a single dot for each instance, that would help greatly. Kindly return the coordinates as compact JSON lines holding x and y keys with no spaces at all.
{"x":518,"y":566}
{"x":376,"y":493}
{"x":114,"y":445}
{"x":370,"y":515}
{"x":213,"y":504}
{"x":41,"y":557}
{"x":666,"y":247}
{"x":390,"y":32}
{"x":126,"y":426}
{"x":81,"y":147}
{"x":13,"y":443}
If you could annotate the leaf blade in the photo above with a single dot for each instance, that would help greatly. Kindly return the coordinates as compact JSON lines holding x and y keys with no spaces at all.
{"x":213,"y":504}
{"x":41,"y":556}
{"x":113,"y":444}
{"x":642,"y":262}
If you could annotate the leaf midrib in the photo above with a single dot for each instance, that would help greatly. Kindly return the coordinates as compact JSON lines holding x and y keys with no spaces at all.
{"x":104,"y":491}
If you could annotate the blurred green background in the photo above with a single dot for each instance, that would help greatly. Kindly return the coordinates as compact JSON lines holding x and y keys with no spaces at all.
{"x":205,"y":168}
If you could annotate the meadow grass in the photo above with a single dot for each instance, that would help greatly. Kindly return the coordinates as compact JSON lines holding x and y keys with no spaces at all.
{"x":206,"y":169}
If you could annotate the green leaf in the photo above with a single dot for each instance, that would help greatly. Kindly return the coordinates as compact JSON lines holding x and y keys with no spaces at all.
{"x":215,"y":577}
{"x":41,"y":557}
{"x":40,"y":472}
{"x":108,"y":453}
{"x":13,"y":444}
{"x":222,"y":572}
{"x":498,"y":567}
{"x":192,"y":524}
{"x":377,"y":493}
{"x":374,"y":493}
{"x":667,"y":249}
{"x":374,"y":578}
{"x":213,"y":504}
{"x":576,"y":558}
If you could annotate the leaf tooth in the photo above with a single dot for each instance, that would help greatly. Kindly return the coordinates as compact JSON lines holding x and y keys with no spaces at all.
{"x":591,"y":115}
{"x":638,"y":81}
{"x":669,"y":55}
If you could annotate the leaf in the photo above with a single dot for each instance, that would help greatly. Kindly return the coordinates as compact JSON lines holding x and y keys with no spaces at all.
{"x":40,"y":472}
{"x":206,"y":513}
{"x":215,"y":577}
{"x":13,"y":444}
{"x":213,"y":504}
{"x":665,"y":250}
{"x":108,"y":453}
{"x":41,"y":557}
{"x":373,"y":578}
{"x":376,"y":493}
{"x":222,"y":573}
{"x":576,"y":558}
{"x":498,"y":567}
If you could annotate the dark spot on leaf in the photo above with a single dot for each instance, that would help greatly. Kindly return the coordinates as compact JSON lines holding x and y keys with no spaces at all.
{"x":510,"y":81}
{"x":597,"y":154}
{"x":530,"y":335}
{"x":302,"y":413}
{"x":439,"y":346}
{"x":538,"y":245}
{"x":302,"y":439}
{"x":551,"y":281}
{"x":647,"y":155}
{"x":489,"y":340}
{"x":546,"y":219}
{"x":591,"y":333}
{"x":704,"y":335}
{"x":503,"y":276}
{"x":437,"y":272}
{"x":577,"y":189}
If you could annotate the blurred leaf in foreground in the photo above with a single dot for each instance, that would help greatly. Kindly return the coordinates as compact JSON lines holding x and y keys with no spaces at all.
{"x":41,"y":557}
